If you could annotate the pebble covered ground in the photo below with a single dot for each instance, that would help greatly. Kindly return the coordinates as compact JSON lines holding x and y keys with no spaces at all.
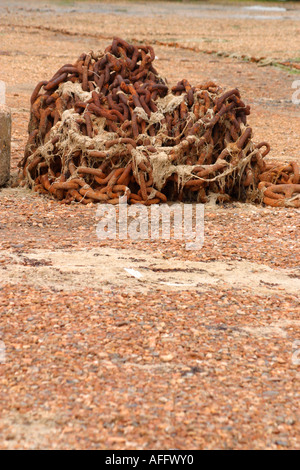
{"x":130,"y":363}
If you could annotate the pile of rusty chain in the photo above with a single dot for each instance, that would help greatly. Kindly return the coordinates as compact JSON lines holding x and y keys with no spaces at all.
{"x":109,"y":127}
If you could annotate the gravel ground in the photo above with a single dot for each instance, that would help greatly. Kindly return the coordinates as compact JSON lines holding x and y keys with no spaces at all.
{"x":200,"y":352}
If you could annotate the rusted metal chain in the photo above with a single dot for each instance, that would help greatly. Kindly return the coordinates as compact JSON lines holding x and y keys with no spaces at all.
{"x":109,"y":126}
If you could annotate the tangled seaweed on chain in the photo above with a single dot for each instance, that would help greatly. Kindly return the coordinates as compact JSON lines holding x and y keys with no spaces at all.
{"x":110,"y":127}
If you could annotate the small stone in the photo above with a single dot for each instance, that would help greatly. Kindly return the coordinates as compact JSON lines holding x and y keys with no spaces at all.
{"x":167,"y":357}
{"x":281,"y":443}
